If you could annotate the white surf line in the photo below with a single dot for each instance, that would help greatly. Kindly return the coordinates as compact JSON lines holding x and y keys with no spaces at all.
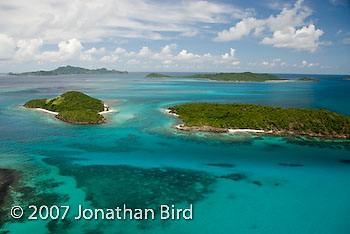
{"x":47,"y":111}
{"x":106,"y":112}
{"x":168,"y":112}
{"x":247,"y":130}
{"x":56,"y":113}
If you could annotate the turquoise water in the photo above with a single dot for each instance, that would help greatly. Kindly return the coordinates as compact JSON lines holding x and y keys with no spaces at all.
{"x":235,"y":182}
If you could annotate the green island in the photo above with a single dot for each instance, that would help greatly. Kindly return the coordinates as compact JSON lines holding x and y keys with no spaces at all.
{"x":216,"y":117}
{"x":157,"y":75}
{"x":244,"y":76}
{"x":72,"y":107}
{"x":346,"y":78}
{"x":69,"y":70}
{"x":307,"y":79}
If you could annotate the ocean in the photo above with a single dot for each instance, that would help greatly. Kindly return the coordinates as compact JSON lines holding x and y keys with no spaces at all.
{"x":236,"y":183}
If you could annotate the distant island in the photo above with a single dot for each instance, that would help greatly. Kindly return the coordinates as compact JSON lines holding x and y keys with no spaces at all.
{"x":214,"y":117}
{"x":307,"y":79}
{"x":69,"y":70}
{"x":235,"y":77}
{"x":244,"y":76}
{"x":72,"y":107}
{"x":346,"y":78}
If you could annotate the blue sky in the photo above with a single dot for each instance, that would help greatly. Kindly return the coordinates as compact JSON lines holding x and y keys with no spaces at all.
{"x":273,"y":36}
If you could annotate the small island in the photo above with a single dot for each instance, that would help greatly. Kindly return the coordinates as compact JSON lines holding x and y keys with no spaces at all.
{"x":157,"y":75}
{"x":72,"y":107}
{"x":307,"y":79}
{"x":69,"y":70}
{"x":346,"y":78}
{"x":236,"y":77}
{"x":214,"y":117}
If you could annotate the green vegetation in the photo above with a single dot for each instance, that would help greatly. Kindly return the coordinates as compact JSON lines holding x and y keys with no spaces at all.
{"x":67,"y":70}
{"x":73,"y":107}
{"x":244,"y":76}
{"x":307,"y":79}
{"x":248,"y":116}
{"x":80,"y":116}
{"x":156,"y":75}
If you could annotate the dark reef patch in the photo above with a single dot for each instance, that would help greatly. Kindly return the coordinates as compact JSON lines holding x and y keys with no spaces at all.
{"x":291,"y":164}
{"x":7,"y":178}
{"x":345,"y":161}
{"x":234,"y":176}
{"x":229,"y":165}
{"x":137,"y":187}
{"x":257,"y":183}
{"x":317,"y":142}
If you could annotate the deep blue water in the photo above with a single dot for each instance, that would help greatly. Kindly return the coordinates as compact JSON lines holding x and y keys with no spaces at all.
{"x":234,"y":181}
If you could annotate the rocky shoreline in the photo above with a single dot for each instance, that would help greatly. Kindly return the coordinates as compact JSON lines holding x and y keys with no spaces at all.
{"x":183,"y":127}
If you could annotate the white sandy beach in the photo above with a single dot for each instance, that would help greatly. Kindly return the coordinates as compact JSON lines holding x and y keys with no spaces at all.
{"x":56,"y":113}
{"x":47,"y":111}
{"x":247,"y":130}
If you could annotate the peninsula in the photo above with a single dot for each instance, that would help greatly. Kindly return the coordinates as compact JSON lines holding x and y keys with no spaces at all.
{"x":72,"y":107}
{"x":235,"y":117}
{"x":69,"y":70}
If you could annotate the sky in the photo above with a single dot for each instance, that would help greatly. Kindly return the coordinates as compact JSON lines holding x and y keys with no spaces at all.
{"x":274,"y":36}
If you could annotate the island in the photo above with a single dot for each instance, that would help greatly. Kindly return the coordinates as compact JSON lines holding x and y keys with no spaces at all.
{"x":346,"y":78}
{"x":72,"y":107}
{"x":69,"y":70}
{"x":307,"y":79}
{"x":237,"y":77}
{"x":157,"y":75}
{"x":235,"y":117}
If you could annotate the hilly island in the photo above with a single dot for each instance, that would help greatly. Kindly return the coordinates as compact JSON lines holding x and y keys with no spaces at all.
{"x":214,"y":117}
{"x":69,"y":70}
{"x":236,"y":77}
{"x":72,"y":107}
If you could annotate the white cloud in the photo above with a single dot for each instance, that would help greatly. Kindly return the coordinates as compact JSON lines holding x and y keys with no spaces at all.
{"x":306,"y":38}
{"x":340,"y":2}
{"x":7,"y":47}
{"x":71,"y":49}
{"x":265,"y":63}
{"x":242,"y":28}
{"x":236,"y":63}
{"x":28,"y":49}
{"x":288,"y":27}
{"x":145,"y":52}
{"x":90,"y":20}
{"x":168,"y":58}
{"x":304,"y":63}
{"x":346,"y":41}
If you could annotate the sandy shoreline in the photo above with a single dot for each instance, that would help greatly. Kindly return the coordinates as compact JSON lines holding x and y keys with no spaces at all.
{"x":182,"y":127}
{"x":56,"y":113}
{"x":47,"y":111}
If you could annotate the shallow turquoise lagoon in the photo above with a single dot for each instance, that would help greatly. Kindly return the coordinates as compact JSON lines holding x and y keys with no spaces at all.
{"x":237,"y":183}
